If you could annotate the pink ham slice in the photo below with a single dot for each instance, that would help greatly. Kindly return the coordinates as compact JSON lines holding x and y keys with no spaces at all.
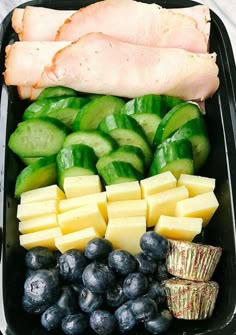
{"x":28,"y":92}
{"x":97,"y":63}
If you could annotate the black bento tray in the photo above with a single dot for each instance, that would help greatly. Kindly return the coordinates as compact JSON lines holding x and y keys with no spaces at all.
{"x":221,"y":120}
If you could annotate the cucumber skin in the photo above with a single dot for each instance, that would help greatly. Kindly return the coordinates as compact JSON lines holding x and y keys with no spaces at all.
{"x":57,"y":91}
{"x":29,"y":171}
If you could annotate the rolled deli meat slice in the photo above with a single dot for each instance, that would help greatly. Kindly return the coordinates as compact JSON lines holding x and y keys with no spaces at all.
{"x":97,"y":63}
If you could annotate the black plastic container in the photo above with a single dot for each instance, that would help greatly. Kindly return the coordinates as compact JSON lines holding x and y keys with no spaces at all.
{"x":221,"y":119}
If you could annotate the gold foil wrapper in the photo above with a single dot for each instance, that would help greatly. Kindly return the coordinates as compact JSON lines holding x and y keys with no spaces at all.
{"x":192,"y":261}
{"x":190,"y":300}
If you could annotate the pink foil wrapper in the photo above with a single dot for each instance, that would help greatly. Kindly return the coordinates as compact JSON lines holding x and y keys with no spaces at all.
{"x":190,"y":300}
{"x":192,"y":261}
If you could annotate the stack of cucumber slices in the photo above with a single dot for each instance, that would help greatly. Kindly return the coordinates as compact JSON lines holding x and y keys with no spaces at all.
{"x":64,"y":135}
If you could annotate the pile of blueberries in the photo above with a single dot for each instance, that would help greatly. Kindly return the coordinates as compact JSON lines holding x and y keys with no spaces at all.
{"x":101,"y":289}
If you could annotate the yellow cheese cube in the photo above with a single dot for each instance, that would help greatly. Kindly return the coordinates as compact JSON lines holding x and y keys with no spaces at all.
{"x":76,"y":240}
{"x":196,"y":184}
{"x":164,"y":203}
{"x":81,"y":218}
{"x":31,"y":210}
{"x":117,"y":209}
{"x":52,"y":192}
{"x":98,"y":198}
{"x":159,"y":183}
{"x":82,"y":185}
{"x":202,"y":206}
{"x":123,"y":191}
{"x":178,"y":228}
{"x":44,"y":238}
{"x":125,"y":233}
{"x":38,"y":223}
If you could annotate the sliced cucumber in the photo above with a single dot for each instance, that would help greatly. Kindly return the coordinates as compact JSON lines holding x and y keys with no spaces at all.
{"x":57,"y":91}
{"x":119,"y":172}
{"x":149,"y":123}
{"x":75,"y":160}
{"x":38,"y":137}
{"x":125,"y":153}
{"x":195,"y":131}
{"x":30,"y":160}
{"x":174,"y":119}
{"x":126,"y":131}
{"x":91,"y":115}
{"x":176,"y":157}
{"x":101,"y":142}
{"x":39,"y":174}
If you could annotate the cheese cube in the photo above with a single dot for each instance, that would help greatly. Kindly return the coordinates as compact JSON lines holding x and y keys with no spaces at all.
{"x":196,"y":184}
{"x":202,"y":206}
{"x":98,"y":198}
{"x":44,"y":238}
{"x":117,"y":209}
{"x":81,"y":218}
{"x":178,"y":228}
{"x":82,"y":185}
{"x":31,"y":210}
{"x":38,"y":223}
{"x":52,"y":192}
{"x":125,"y":233}
{"x":164,"y":203}
{"x":159,"y":183}
{"x":77,"y":240}
{"x":123,"y":191}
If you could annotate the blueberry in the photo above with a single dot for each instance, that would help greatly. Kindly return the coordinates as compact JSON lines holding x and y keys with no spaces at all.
{"x":103,"y":322}
{"x":143,"y":308}
{"x":122,"y":262}
{"x":115,"y":295}
{"x":160,"y":323}
{"x":52,"y":317}
{"x":40,"y":258}
{"x":31,"y":308}
{"x":89,"y":301}
{"x":67,"y":300}
{"x":156,"y":292}
{"x":154,"y":245}
{"x":28,"y":273}
{"x":135,"y":285}
{"x":161,"y":271}
{"x":98,"y":248}
{"x":125,"y":317}
{"x":74,"y":324}
{"x":98,"y":277}
{"x":72,"y":264}
{"x":146,"y":265}
{"x":42,"y":287}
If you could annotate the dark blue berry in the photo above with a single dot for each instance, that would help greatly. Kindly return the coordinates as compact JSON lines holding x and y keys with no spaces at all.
{"x":160,"y":323}
{"x":156,"y":292}
{"x":98,"y":277}
{"x":154,"y":245}
{"x":40,"y":258}
{"x":161,"y":271}
{"x":31,"y":308}
{"x":75,"y":324}
{"x":72,"y":264}
{"x":52,"y":317}
{"x":146,"y":265}
{"x":89,"y":301}
{"x":135,"y":285}
{"x":115,"y":295}
{"x":103,"y":322}
{"x":42,"y":288}
{"x":143,"y":308}
{"x":122,"y":262}
{"x":125,"y":317}
{"x":98,"y":248}
{"x":67,"y":300}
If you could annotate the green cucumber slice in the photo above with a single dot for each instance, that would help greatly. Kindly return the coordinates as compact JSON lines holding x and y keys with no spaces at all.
{"x":125,"y":153}
{"x":195,"y":131}
{"x":101,"y":142}
{"x":41,"y":173}
{"x":38,"y":137}
{"x":149,"y":123}
{"x":57,"y":91}
{"x":126,"y":131}
{"x":176,"y":156}
{"x":92,"y":113}
{"x":30,"y":160}
{"x":119,"y":172}
{"x":75,"y":160}
{"x":174,"y":119}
